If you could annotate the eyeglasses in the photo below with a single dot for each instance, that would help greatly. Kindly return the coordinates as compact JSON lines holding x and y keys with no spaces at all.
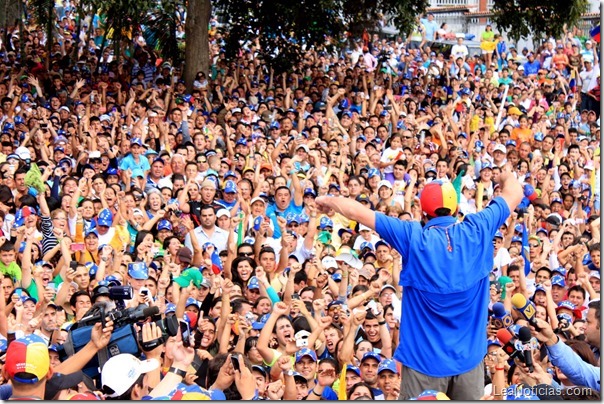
{"x":246,"y":254}
{"x":293,"y":225}
{"x":202,"y":160}
{"x":407,"y":137}
{"x":533,"y":245}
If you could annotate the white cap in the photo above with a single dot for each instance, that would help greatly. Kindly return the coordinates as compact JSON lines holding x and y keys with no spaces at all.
{"x":137,"y":211}
{"x":223,"y":212}
{"x":501,"y":148}
{"x":363,"y":227}
{"x":384,"y":183}
{"x":256,"y":199}
{"x":23,"y":153}
{"x":350,"y":260}
{"x":594,"y":274}
{"x":329,"y":262}
{"x":468,"y":183}
{"x":121,"y":372}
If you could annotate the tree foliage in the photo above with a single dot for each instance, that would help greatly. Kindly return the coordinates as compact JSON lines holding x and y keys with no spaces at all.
{"x":539,"y":18}
{"x":160,"y":30}
{"x":284,"y":28}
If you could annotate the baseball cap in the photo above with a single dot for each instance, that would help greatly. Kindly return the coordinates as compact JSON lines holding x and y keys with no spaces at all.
{"x":59,"y":382}
{"x":371,"y":355}
{"x":329,"y":262}
{"x":27,"y":359}
{"x":105,"y":218}
{"x":258,"y":325}
{"x":230,"y":187}
{"x":558,"y":280}
{"x":185,"y":255}
{"x":499,"y":147}
{"x":362,"y":227}
{"x":325,"y":222}
{"x":253,"y":283}
{"x":164,"y":225}
{"x":223,"y":212}
{"x":354,"y":369}
{"x":138,"y":270}
{"x":436,"y":195}
{"x":387,"y":364}
{"x":306,"y":352}
{"x":121,"y":372}
{"x":257,"y":199}
{"x":189,"y":275}
{"x":384,"y":183}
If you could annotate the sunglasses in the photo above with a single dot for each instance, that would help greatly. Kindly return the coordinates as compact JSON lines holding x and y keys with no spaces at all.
{"x":201,"y":160}
{"x":246,"y":254}
{"x":533,"y":245}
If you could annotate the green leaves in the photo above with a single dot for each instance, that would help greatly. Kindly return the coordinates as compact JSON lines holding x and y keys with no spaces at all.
{"x":540,"y":18}
{"x":285,"y":28}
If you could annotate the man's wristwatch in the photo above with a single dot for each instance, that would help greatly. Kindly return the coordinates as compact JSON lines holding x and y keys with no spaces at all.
{"x":289,"y":372}
{"x":177,"y":372}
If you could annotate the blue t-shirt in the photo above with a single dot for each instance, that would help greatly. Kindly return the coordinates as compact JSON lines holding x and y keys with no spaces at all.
{"x":446,"y":294}
{"x":129,"y":163}
{"x":273,"y":212}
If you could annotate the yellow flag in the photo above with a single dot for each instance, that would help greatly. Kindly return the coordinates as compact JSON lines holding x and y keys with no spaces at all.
{"x":342,"y":387}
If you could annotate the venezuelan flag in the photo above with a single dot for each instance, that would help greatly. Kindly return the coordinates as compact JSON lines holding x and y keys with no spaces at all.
{"x":216,"y":263}
{"x":595,"y":33}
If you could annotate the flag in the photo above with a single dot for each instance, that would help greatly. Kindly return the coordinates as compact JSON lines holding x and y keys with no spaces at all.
{"x":525,"y":247}
{"x":342,"y":386}
{"x":595,"y":33}
{"x":573,"y":81}
{"x":240,"y":231}
{"x":216,"y":263}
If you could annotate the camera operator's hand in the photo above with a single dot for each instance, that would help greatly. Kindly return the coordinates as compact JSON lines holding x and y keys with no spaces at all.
{"x":151,"y":333}
{"x":244,"y":380}
{"x":183,"y":356}
{"x":100,"y":336}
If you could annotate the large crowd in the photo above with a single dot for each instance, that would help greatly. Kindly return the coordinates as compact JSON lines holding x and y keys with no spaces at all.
{"x":163,"y":243}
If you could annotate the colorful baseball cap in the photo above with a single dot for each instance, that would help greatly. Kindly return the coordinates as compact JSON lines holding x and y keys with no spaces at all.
{"x":436,"y":195}
{"x":27,"y":359}
{"x":568,"y":305}
{"x":431,"y":395}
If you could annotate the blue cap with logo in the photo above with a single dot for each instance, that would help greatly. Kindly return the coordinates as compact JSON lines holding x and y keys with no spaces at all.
{"x":164,"y":225}
{"x":306,"y":352}
{"x":230,"y":187}
{"x":138,"y":270}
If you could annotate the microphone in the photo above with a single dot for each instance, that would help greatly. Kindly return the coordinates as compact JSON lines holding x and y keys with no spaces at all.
{"x":524,"y":334}
{"x":501,"y":317}
{"x":526,"y":308}
{"x":509,"y":344}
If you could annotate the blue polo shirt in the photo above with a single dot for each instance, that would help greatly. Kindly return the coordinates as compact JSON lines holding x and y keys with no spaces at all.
{"x":446,"y":294}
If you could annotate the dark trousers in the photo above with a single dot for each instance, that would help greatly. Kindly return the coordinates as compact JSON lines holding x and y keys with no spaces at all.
{"x":467,"y":386}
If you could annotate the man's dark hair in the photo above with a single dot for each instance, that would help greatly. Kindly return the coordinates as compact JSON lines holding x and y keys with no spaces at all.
{"x":74,"y":297}
{"x":579,"y":289}
{"x":596,"y":306}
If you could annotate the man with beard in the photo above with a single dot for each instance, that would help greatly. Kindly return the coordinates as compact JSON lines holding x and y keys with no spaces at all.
{"x":48,"y":324}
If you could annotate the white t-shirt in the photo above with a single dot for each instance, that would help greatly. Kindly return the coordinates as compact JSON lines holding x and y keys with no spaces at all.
{"x":389,"y":155}
{"x":501,"y":259}
{"x":459,"y":51}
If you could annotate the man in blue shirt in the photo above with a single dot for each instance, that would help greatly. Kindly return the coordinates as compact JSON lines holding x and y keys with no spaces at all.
{"x":134,"y":160}
{"x":446,"y":285}
{"x":285,"y":204}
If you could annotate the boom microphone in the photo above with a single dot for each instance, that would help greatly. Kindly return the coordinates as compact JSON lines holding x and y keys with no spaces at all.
{"x":524,"y":334}
{"x":510,"y":345}
{"x":501,"y":317}
{"x":526,"y":308}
